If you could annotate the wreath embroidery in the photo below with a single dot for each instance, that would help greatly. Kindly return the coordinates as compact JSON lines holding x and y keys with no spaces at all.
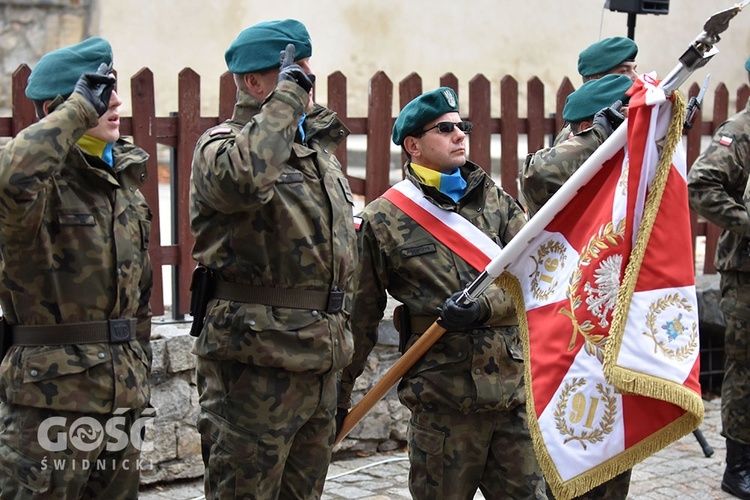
{"x":543,"y":262}
{"x":673,"y":328}
{"x":606,"y":423}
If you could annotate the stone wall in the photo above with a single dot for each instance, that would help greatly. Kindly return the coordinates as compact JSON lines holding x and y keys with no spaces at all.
{"x":31,"y":28}
{"x":172,"y":448}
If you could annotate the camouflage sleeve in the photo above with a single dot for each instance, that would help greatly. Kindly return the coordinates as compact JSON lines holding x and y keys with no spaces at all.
{"x":143,"y":314}
{"x":718,"y":187}
{"x":497,"y":300}
{"x":29,"y":160}
{"x":243,"y":169}
{"x":545,"y":171}
{"x":368,"y":306}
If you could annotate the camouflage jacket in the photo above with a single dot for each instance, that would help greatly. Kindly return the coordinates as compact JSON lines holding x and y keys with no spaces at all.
{"x":719,"y":190}
{"x":270,"y":210}
{"x":399,"y":257}
{"x":545,"y":171}
{"x":74,"y":236}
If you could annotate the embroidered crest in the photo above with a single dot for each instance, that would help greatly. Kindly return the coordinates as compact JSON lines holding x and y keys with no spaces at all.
{"x":449,"y":98}
{"x":673,"y":335}
{"x":603,"y":294}
{"x":600,"y":303}
{"x":584,"y":423}
{"x":549,"y":260}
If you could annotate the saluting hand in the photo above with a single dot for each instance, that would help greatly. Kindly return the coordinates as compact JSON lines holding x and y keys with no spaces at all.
{"x":293,"y":72}
{"x":97,"y":87}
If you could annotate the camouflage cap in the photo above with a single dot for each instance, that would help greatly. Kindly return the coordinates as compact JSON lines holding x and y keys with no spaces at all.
{"x":257,"y":48}
{"x":595,"y":95}
{"x":606,"y":54}
{"x":421,"y":110}
{"x":57,"y":72}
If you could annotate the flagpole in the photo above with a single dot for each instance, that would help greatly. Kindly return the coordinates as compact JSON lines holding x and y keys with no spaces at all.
{"x":698,"y":54}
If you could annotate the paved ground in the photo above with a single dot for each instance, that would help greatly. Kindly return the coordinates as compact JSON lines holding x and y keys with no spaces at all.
{"x":679,"y":471}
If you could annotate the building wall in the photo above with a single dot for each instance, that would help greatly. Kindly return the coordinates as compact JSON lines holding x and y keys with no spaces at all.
{"x":495,"y":38}
{"x":490,"y":37}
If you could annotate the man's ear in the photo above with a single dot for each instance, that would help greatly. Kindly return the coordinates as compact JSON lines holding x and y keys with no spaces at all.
{"x":585,"y":125}
{"x":253,"y":83}
{"x":411,"y":145}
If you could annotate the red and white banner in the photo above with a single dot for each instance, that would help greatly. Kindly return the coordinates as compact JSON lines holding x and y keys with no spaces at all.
{"x":607,"y":304}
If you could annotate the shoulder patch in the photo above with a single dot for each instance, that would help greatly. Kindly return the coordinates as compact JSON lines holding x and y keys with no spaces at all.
{"x":725,"y":141}
{"x":357,"y":223}
{"x":220,"y":130}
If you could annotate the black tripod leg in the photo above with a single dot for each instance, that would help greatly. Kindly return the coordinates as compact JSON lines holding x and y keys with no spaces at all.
{"x":707,"y":449}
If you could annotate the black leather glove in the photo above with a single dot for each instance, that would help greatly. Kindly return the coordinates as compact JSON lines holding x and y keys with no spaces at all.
{"x":341,"y":414}
{"x":293,"y":72}
{"x":609,"y":118}
{"x":457,"y":317}
{"x":97,"y":87}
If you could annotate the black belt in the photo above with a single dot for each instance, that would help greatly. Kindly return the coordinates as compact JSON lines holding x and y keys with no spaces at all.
{"x":112,"y":331}
{"x":330,"y":302}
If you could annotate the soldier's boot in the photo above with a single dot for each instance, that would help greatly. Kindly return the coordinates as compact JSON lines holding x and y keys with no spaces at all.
{"x":736,"y":478}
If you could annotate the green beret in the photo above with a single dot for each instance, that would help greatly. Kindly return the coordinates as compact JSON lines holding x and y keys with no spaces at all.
{"x":57,"y":72}
{"x":422,"y":110}
{"x":595,"y":95}
{"x":747,"y":64}
{"x":257,"y":48}
{"x":606,"y":54}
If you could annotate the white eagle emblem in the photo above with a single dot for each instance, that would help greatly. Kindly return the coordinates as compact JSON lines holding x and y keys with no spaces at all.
{"x":603,"y":294}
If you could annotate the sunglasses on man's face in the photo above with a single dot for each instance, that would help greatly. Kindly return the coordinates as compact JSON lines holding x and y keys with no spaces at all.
{"x":447,"y":127}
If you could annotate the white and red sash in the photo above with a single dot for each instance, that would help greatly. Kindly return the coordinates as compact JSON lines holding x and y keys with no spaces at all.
{"x":461,"y":236}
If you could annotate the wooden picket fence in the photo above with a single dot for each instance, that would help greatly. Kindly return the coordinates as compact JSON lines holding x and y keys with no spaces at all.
{"x":181,"y":130}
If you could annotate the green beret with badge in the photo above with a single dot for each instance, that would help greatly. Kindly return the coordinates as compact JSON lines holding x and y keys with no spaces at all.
{"x":604,"y":55}
{"x":57,"y":72}
{"x":257,"y":48}
{"x":422,"y":110}
{"x":747,"y":64}
{"x":595,"y":95}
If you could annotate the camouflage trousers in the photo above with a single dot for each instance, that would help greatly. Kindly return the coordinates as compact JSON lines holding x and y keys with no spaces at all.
{"x":53,"y":454}
{"x":735,"y":388}
{"x":265,"y":432}
{"x":451,"y":455}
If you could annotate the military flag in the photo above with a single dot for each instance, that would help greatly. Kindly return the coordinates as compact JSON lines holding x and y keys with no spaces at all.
{"x":606,"y":299}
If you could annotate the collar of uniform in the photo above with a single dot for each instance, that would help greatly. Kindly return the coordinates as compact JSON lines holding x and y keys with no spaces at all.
{"x":245,"y":108}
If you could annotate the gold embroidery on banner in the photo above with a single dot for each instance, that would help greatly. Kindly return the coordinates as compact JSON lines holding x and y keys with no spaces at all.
{"x":673,"y":328}
{"x":550,"y":259}
{"x":578,"y":413}
{"x":593,"y":344}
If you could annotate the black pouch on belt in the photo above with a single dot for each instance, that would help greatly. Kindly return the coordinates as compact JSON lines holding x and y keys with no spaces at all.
{"x":201,"y":290}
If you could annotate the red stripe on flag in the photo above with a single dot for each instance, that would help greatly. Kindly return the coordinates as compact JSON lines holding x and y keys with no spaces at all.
{"x":453,"y":240}
{"x":666,"y":264}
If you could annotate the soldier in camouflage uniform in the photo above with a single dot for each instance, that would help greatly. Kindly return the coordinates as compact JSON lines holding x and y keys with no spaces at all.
{"x":76,"y":282}
{"x":468,"y":426}
{"x":719,"y":190}
{"x":593,"y":118}
{"x":610,"y":56}
{"x":271,"y":212}
{"x":593,"y":121}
